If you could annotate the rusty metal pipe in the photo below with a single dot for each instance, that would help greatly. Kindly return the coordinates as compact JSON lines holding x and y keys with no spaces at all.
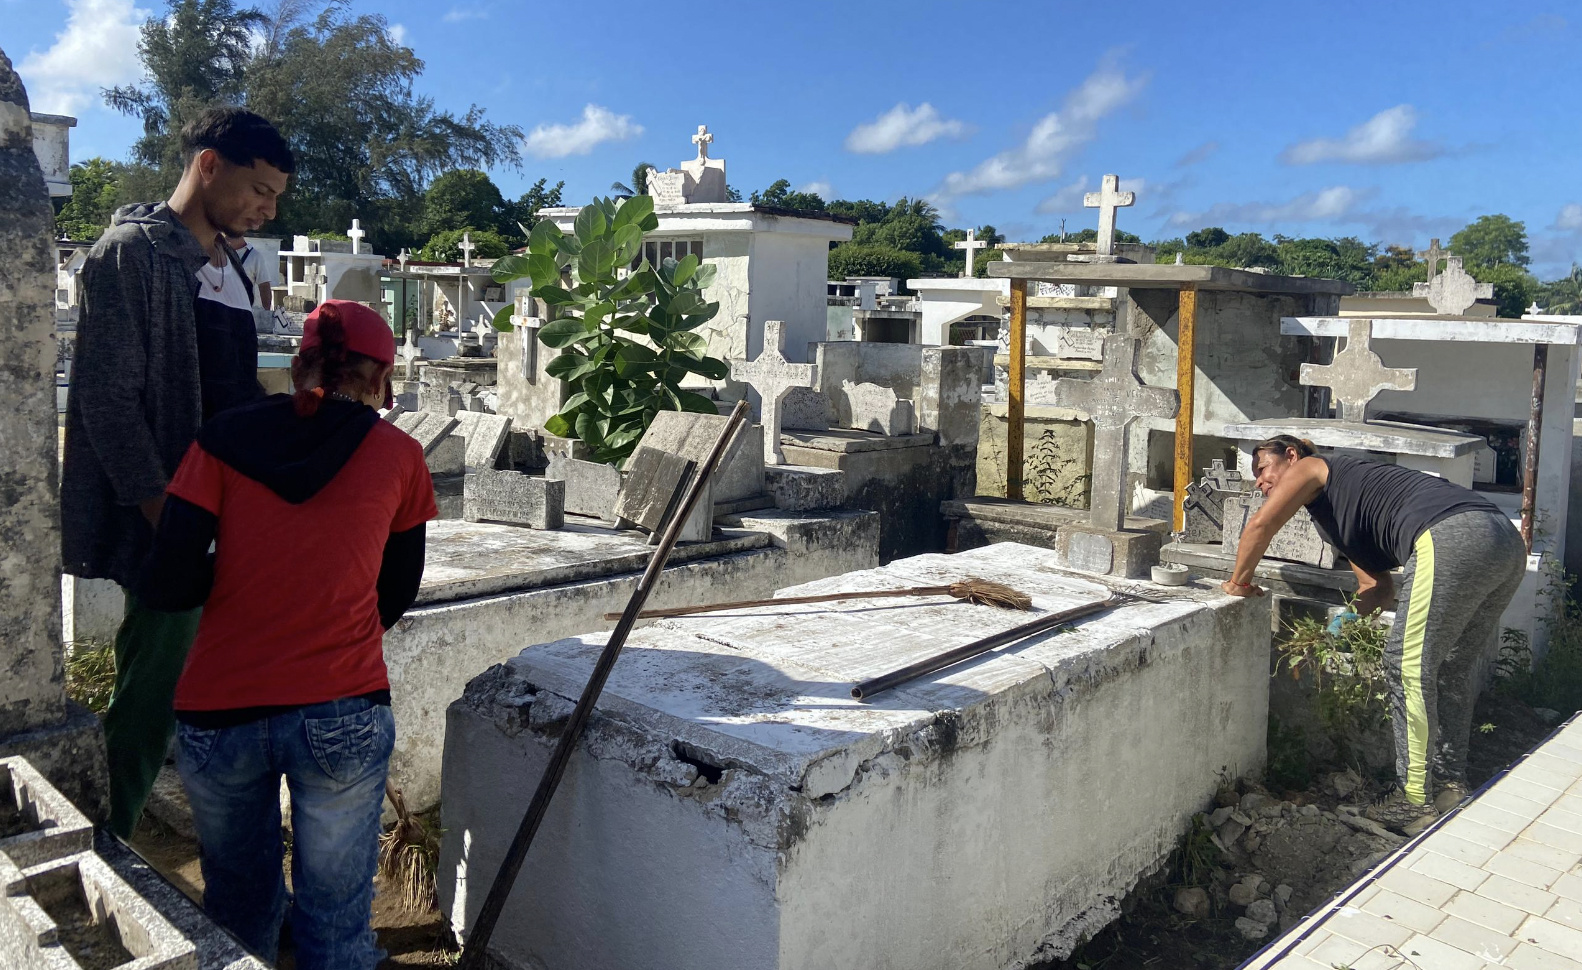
{"x":1535,"y":421}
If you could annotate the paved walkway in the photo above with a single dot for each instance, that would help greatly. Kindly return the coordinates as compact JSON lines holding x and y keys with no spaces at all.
{"x":1496,"y":884}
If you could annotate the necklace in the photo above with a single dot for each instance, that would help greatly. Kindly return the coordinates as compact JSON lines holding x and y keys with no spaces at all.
{"x":216,"y":287}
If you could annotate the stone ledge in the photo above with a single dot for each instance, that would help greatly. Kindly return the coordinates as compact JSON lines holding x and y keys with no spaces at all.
{"x":56,"y":827}
{"x":851,"y":442}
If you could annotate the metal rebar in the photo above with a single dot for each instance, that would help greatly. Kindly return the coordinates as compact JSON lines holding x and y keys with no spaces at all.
{"x":1535,"y":421}
{"x":472,"y":956}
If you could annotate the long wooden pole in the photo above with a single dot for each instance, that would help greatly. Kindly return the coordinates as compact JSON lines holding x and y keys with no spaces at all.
{"x":1186,"y":382}
{"x":1016,"y":408}
{"x":1535,"y":426}
{"x":472,"y":954}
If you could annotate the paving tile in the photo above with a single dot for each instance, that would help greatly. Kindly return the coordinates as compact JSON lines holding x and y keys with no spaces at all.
{"x":1523,"y":871}
{"x":1480,"y":941}
{"x":1566,"y":912}
{"x":1529,"y":957}
{"x":1337,"y":951}
{"x":1366,"y":928}
{"x":1415,"y":886}
{"x":1445,"y":869}
{"x":1485,"y":912}
{"x":1558,"y":748}
{"x":1519,"y":796}
{"x":1496,"y":818}
{"x":1406,"y":912}
{"x":1536,"y":774}
{"x":1503,"y":889}
{"x":1432,"y":954}
{"x":1569,"y":839}
{"x":1552,"y":937}
{"x":1545,"y":855}
{"x":1460,"y":847}
{"x":1569,"y":886}
{"x":1571,"y":802}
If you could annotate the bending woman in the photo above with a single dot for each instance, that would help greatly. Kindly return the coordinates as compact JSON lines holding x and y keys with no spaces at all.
{"x":317,"y":511}
{"x":1463,"y":561}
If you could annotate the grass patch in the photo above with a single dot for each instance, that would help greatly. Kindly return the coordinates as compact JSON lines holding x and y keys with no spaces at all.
{"x":1555,"y":682}
{"x":90,"y":674}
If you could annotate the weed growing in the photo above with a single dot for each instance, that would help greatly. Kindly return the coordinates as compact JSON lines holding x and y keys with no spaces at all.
{"x":90,"y":674}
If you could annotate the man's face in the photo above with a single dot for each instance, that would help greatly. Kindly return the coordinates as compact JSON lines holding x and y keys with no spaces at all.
{"x":1270,"y":467}
{"x":238,"y":199}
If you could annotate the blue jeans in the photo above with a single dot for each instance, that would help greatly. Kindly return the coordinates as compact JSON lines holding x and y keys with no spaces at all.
{"x":334,"y":756}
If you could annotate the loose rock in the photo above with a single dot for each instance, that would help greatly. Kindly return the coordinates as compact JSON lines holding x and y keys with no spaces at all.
{"x":1253,"y":802}
{"x":1251,"y":929}
{"x":1242,"y":894}
{"x":1217,"y":817}
{"x":1192,"y":903}
{"x":1230,"y":831}
{"x":1263,"y":911}
{"x":1344,"y":782}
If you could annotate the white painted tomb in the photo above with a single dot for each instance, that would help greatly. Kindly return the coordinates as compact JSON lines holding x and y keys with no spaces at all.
{"x":732,"y":807}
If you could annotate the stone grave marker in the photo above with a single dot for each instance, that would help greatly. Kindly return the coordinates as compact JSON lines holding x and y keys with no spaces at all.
{"x":1453,"y":291}
{"x":1298,"y":540}
{"x":514,"y":498}
{"x":741,"y":472}
{"x":1205,"y":503}
{"x":485,"y":435}
{"x":650,"y":489}
{"x":1432,"y":255}
{"x":772,"y":376}
{"x":805,"y":409}
{"x":1090,"y":552}
{"x":592,"y":487}
{"x":1112,"y":400}
{"x":1107,"y":199}
{"x":438,"y":398}
{"x":874,"y":407}
{"x":1357,"y":375}
{"x":971,"y":244}
{"x":448,"y":457}
{"x":426,"y":427}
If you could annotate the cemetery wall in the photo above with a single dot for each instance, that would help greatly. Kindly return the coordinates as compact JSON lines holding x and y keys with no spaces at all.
{"x":789,"y":282}
{"x":1057,"y":454}
{"x":728,"y":253}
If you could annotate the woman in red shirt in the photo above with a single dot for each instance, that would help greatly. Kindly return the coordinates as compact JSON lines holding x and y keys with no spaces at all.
{"x":316,"y":509}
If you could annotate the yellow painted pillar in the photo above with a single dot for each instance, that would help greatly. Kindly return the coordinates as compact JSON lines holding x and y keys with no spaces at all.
{"x":1186,"y":372}
{"x":1016,"y":409}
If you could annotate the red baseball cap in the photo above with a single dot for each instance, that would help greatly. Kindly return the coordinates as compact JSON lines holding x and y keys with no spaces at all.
{"x":366,"y":333}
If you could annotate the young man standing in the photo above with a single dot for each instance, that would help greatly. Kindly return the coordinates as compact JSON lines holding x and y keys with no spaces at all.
{"x":262,"y":275}
{"x":165,"y":341}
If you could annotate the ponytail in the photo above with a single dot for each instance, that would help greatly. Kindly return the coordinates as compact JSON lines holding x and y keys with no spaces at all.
{"x":329,"y":358}
{"x":1279,"y":443}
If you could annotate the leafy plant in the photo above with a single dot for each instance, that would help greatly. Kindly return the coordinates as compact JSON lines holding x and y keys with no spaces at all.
{"x":1555,"y":682}
{"x":628,"y":339}
{"x":90,"y":674}
{"x":1347,"y":668}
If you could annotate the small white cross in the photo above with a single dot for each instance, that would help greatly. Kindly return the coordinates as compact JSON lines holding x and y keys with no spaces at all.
{"x":403,"y":257}
{"x":466,"y":246}
{"x":971,"y":244}
{"x":702,"y":140}
{"x":773,"y":377}
{"x":1107,"y":199}
{"x":356,"y":233}
{"x":1535,"y":309}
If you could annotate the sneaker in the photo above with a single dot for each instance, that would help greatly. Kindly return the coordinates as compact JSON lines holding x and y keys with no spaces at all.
{"x":1397,"y":814}
{"x":1451,"y":794}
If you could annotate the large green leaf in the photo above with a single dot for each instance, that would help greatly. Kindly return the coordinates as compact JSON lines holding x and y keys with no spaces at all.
{"x":590,"y":223}
{"x":542,"y":269}
{"x":691,"y":344}
{"x":569,"y":245}
{"x":685,"y":269}
{"x":560,"y":424}
{"x":569,"y":367}
{"x":711,"y":367}
{"x":562,"y":333}
{"x":502,"y":318}
{"x":554,"y":295}
{"x":650,"y":222}
{"x":589,"y":427}
{"x":705,"y":275}
{"x":633,"y":211}
{"x":628,"y":242}
{"x":596,"y":315}
{"x":696,"y":320}
{"x":594,"y":263}
{"x":508,"y":268}
{"x":544,"y":239}
{"x":623,"y":437}
{"x":685,"y":302}
{"x":696,"y":403}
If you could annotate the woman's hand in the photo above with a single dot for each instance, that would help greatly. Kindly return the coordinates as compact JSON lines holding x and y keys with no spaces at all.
{"x":1233,"y":588}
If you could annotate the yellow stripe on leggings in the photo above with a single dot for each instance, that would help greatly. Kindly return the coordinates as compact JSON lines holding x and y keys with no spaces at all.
{"x":1419,"y":602}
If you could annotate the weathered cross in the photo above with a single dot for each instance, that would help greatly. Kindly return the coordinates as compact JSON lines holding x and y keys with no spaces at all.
{"x":1220,"y":478}
{"x":1454,"y":291}
{"x":356,"y":234}
{"x":773,"y":377}
{"x":702,"y":140}
{"x":1107,"y":199}
{"x":1111,"y":400}
{"x":466,"y":246}
{"x":1357,"y":375}
{"x":410,"y":354}
{"x":971,"y":244}
{"x":1432,"y":255}
{"x":403,"y":256}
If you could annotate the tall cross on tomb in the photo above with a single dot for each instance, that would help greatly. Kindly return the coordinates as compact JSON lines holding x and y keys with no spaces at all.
{"x":1107,"y":199}
{"x":1432,"y":255}
{"x":356,"y":234}
{"x":702,"y":140}
{"x":1111,"y":400}
{"x":1357,"y":375}
{"x":773,"y":377}
{"x":971,"y":244}
{"x":466,"y":246}
{"x":1454,"y":291}
{"x":403,"y":256}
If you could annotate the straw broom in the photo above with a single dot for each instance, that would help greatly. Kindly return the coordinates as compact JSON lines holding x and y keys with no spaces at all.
{"x":983,"y":592}
{"x":408,"y":857}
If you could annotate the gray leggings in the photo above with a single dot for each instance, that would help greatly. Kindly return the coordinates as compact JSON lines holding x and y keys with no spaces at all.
{"x":1461,"y":576}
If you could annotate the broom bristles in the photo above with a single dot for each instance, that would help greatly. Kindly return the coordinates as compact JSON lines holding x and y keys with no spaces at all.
{"x":408,"y":855}
{"x":986,"y":592}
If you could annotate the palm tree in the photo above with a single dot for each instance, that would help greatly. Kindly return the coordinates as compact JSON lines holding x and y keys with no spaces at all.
{"x":1563,"y":296}
{"x":639,"y":184}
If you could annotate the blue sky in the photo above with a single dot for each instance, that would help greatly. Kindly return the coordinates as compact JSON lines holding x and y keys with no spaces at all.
{"x":1393,"y":122}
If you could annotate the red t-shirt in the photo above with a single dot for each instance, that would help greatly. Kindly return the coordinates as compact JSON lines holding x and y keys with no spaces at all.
{"x":293,"y":616}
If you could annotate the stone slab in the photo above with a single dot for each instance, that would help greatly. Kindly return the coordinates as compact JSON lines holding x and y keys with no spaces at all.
{"x":850,"y":442}
{"x":741,"y":472}
{"x":592,"y":487}
{"x":485,"y":435}
{"x":797,"y":488}
{"x":653,"y":486}
{"x":514,"y":498}
{"x":1210,"y":561}
{"x":53,"y":825}
{"x":1298,"y":540}
{"x":28,"y":941}
{"x":873,"y":407}
{"x":447,"y":457}
{"x":1124,"y":554}
{"x":805,"y":409}
{"x":727,"y":772}
{"x":1386,"y":436}
{"x":425,"y":427}
{"x":1164,"y":276}
{"x":465,"y":560}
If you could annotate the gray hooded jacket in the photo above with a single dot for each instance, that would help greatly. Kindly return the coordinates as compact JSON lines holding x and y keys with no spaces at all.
{"x":136,"y":401}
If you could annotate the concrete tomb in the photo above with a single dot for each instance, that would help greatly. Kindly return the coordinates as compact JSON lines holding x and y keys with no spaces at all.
{"x":727,"y":774}
{"x":514,"y":498}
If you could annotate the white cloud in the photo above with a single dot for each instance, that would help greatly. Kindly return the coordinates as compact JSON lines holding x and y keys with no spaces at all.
{"x":456,"y":15}
{"x":1569,"y":219}
{"x":398,"y":34}
{"x":598,"y":125}
{"x":902,"y":126}
{"x":1069,"y":198}
{"x":1199,"y":154}
{"x":98,"y":49}
{"x":1054,"y":139}
{"x":1384,"y":139}
{"x":1336,"y":203}
{"x":823,"y":190}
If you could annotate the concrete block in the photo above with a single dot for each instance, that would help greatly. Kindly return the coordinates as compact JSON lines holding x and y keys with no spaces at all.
{"x":652,"y":488}
{"x":566,"y":448}
{"x":514,"y":498}
{"x":485,"y":435}
{"x":447,"y":456}
{"x":871,"y":407}
{"x":1129,"y":554}
{"x":37,"y":822}
{"x":91,"y":609}
{"x":798,"y":488}
{"x":70,"y":754}
{"x":76,"y":912}
{"x":741,"y":472}
{"x":592,"y":487}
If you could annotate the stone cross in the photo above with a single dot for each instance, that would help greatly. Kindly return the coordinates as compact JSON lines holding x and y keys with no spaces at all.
{"x":410,"y":354}
{"x":1432,"y":255}
{"x":1357,"y":375}
{"x":773,"y":377}
{"x":1111,"y":400}
{"x":466,"y":246}
{"x":971,"y":244}
{"x":702,"y":140}
{"x":356,"y":234}
{"x":1534,"y":309}
{"x":1224,"y":479}
{"x":1107,"y":199}
{"x":403,"y":256}
{"x":1454,"y":291}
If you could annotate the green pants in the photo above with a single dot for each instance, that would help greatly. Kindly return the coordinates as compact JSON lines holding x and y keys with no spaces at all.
{"x":150,"y":651}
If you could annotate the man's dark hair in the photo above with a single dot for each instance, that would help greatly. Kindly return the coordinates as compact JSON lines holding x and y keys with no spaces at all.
{"x":239,"y":136}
